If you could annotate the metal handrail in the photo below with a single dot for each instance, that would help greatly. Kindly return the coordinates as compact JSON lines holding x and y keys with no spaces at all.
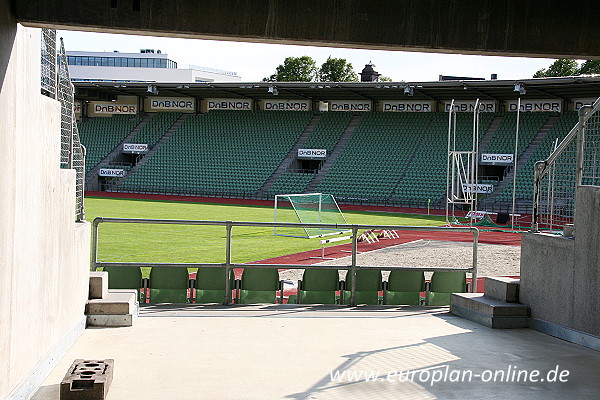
{"x":228,"y":265}
{"x":541,"y":168}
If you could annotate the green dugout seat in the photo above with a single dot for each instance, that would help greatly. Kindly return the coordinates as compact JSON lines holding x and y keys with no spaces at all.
{"x":443,"y":284}
{"x":126,"y":278}
{"x":368,"y":285}
{"x":210,"y":285}
{"x":318,"y":286}
{"x":168,"y":285}
{"x":404,"y":287}
{"x":259,"y":285}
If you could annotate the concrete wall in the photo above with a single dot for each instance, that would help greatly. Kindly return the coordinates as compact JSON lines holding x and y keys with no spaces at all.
{"x":586,"y":301}
{"x":44,"y":254}
{"x":560,"y":277}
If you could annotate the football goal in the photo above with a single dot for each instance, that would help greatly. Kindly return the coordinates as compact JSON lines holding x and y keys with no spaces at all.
{"x":307,"y":208}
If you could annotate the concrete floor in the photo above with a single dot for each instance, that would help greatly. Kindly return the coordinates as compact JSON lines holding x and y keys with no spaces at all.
{"x":290,"y":352}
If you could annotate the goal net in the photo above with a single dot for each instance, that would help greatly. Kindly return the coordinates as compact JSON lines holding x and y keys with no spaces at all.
{"x":310,"y":208}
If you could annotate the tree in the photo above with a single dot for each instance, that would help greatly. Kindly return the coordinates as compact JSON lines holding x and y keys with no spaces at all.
{"x":590,"y":67}
{"x":294,"y":69}
{"x":337,"y":70}
{"x":560,"y":67}
{"x":385,"y":79}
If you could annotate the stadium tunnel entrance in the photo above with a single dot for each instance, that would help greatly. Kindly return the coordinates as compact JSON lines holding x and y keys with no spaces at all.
{"x":494,"y":172}
{"x":306,"y":166}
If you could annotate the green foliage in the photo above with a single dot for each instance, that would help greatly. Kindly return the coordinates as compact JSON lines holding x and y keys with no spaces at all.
{"x":564,"y":67}
{"x":294,"y":69}
{"x":590,"y":67}
{"x":337,"y":70}
{"x":181,"y":243}
{"x":385,"y":79}
{"x":560,"y":67}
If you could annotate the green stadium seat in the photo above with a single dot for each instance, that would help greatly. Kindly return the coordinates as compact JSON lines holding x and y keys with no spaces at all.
{"x":404,"y":287}
{"x":259,"y":285}
{"x":168,"y":285}
{"x":318,"y":286}
{"x":126,"y":278}
{"x":443,"y":284}
{"x":368,"y":285}
{"x":210,"y":285}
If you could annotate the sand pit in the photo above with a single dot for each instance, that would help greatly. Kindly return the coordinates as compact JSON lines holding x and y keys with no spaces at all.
{"x":493,"y":259}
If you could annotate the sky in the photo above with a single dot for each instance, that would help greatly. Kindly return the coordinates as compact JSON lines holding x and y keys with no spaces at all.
{"x":254,"y":61}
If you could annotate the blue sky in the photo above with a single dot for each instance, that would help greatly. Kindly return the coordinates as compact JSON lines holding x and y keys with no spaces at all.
{"x":254,"y":61}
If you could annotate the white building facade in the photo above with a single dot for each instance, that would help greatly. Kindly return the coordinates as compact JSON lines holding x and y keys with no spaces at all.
{"x":146,"y":66}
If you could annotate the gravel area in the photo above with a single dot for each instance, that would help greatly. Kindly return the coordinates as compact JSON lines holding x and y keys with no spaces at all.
{"x":493,"y":259}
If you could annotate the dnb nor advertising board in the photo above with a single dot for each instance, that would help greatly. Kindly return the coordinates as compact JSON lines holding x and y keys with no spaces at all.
{"x":110,"y":108}
{"x":350,"y":105}
{"x":228,"y":104}
{"x":469,"y":106}
{"x":135,"y":148}
{"x":111,"y":173}
{"x":407,"y":106}
{"x":285,"y":105}
{"x":479,"y":188}
{"x":179,"y":104}
{"x":312,"y":154}
{"x":497,"y":159}
{"x":551,"y":105}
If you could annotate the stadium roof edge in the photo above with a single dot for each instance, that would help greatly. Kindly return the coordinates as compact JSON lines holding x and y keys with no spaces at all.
{"x":567,"y":88}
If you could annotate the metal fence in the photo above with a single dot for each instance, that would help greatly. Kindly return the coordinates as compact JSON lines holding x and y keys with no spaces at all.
{"x":228,"y":265}
{"x":575,"y":161}
{"x":48,"y":62}
{"x":56,"y":83}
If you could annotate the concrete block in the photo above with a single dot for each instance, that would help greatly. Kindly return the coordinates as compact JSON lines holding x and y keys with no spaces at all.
{"x":489,"y":321}
{"x":98,"y":285}
{"x":502,"y":289}
{"x":489,"y":312}
{"x":87,"y":380}
{"x":116,"y":302}
{"x":111,"y":321}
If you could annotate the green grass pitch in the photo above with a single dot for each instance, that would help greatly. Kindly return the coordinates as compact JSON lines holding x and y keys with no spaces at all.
{"x":192,"y":244}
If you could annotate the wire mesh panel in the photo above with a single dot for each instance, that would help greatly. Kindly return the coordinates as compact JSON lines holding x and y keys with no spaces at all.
{"x":556,"y":178}
{"x":591,"y":151}
{"x":65,"y":96}
{"x":48,"y":62}
{"x":556,"y":198}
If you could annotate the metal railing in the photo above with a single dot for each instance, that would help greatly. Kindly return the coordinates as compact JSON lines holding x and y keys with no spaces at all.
{"x":55,"y":83}
{"x":48,"y":62}
{"x":575,"y":161}
{"x":228,"y":265}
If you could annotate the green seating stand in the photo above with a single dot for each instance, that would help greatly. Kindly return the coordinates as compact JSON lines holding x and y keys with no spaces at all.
{"x":259,"y":285}
{"x":404,"y":287}
{"x":443,"y":284}
{"x":169,"y":285}
{"x":126,"y":278}
{"x":368,"y":285}
{"x":318,"y":286}
{"x":210,"y":285}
